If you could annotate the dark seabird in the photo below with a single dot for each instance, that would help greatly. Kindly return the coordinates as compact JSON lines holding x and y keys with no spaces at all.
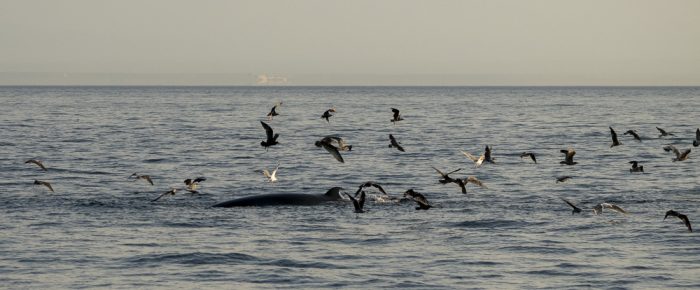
{"x":44,"y":183}
{"x":358,"y":203}
{"x":681,"y":216}
{"x":636,"y":168}
{"x":528,"y":154}
{"x":462,"y":184}
{"x":680,"y":156}
{"x":696,"y":142}
{"x":598,"y":209}
{"x":327,"y":114}
{"x":144,"y":177}
{"x":342,"y":146}
{"x":634,"y":134}
{"x":563,"y":178}
{"x":569,"y":158}
{"x":419,"y":199}
{"x":271,"y":137}
{"x":326,"y":144}
{"x":487,"y":154}
{"x":614,"y":138}
{"x":397,"y":116}
{"x":574,"y":207}
{"x":663,"y":132}
{"x":273,"y":112}
{"x":445,"y":176}
{"x":370,"y":184}
{"x":169,"y":192}
{"x":395,"y":143}
{"x":37,"y":162}
{"x":191,"y":185}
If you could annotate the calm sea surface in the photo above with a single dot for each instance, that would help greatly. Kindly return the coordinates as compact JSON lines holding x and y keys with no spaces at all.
{"x":99,"y":229}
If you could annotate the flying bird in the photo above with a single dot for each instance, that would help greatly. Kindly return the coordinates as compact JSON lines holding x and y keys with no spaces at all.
{"x":271,"y":177}
{"x":563,"y":178}
{"x":169,"y":192}
{"x":614,"y":138}
{"x":569,"y":158}
{"x":192,"y":185}
{"x":44,"y":183}
{"x":634,"y":134}
{"x":635,"y":167}
{"x":395,"y":143}
{"x":598,"y":209}
{"x":37,"y":162}
{"x":477,"y":160}
{"x":397,"y":116}
{"x":680,"y":156}
{"x":445,"y":176}
{"x":325,"y":143}
{"x":696,"y":142}
{"x":147,"y":178}
{"x":327,"y":114}
{"x":358,"y":203}
{"x":575,"y":209}
{"x":419,"y":199}
{"x":528,"y":154}
{"x":271,"y":137}
{"x":475,"y":181}
{"x":681,"y":216}
{"x":273,"y":111}
{"x":370,"y":184}
{"x":663,"y":132}
{"x":342,"y":146}
{"x":487,"y":154}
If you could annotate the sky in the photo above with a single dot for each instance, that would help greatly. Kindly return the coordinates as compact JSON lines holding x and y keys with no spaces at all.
{"x":359,"y":42}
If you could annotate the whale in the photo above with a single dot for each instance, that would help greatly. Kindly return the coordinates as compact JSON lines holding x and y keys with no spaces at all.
{"x":274,"y":199}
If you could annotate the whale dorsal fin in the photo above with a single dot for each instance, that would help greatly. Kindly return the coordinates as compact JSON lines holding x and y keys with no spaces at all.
{"x":334,"y":192}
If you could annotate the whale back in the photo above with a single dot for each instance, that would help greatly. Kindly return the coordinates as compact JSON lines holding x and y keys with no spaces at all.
{"x":334,"y":193}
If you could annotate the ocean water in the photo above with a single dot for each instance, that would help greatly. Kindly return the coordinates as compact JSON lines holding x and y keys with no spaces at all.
{"x":101,"y":230}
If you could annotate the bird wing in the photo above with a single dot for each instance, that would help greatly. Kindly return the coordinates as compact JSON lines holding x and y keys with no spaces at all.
{"x":684,"y":154}
{"x":333,"y":151}
{"x":672,"y":148}
{"x":662,"y":131}
{"x":472,"y":157}
{"x":473,"y":179}
{"x":686,"y":221}
{"x":266,"y":173}
{"x":614,"y":207}
{"x":614,"y":135}
{"x":268,"y":130}
{"x":438,"y":171}
{"x":598,"y":209}
{"x":163,"y":194}
{"x":462,"y":185}
{"x":355,"y":202}
{"x":697,"y":134}
{"x":378,"y":187}
{"x":396,"y":113}
{"x":571,"y":205}
{"x":37,"y":162}
{"x":48,"y":185}
{"x":480,"y":160}
{"x":400,"y":148}
{"x":147,"y":178}
{"x":532,"y":155}
{"x":199,"y":179}
{"x":360,"y":203}
{"x":570,"y":154}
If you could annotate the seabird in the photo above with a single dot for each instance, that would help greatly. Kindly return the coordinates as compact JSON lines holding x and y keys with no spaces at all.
{"x":569,"y":158}
{"x":598,"y":209}
{"x":614,"y":138}
{"x":445,"y":176}
{"x":636,"y":168}
{"x":358,"y":203}
{"x":634,"y":134}
{"x":574,"y":207}
{"x":191,"y":185}
{"x":147,"y":178}
{"x":475,"y":181}
{"x":271,"y":177}
{"x":395,"y":143}
{"x":169,"y":192}
{"x":370,"y":184}
{"x":477,"y":160}
{"x":419,"y":199}
{"x":271,"y":137}
{"x":487,"y":154}
{"x":327,"y":114}
{"x":563,"y":178}
{"x":681,"y":216}
{"x":397,"y":116}
{"x":37,"y":162}
{"x":326,"y":144}
{"x":44,"y":183}
{"x":680,"y":156}
{"x":273,"y":111}
{"x":696,"y":142}
{"x":342,"y":146}
{"x":663,"y":132}
{"x":528,"y":154}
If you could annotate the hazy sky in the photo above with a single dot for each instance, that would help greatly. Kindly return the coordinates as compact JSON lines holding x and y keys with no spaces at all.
{"x":547,"y":42}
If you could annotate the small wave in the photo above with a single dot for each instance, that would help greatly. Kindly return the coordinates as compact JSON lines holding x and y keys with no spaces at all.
{"x":491,"y":224}
{"x":196,"y":258}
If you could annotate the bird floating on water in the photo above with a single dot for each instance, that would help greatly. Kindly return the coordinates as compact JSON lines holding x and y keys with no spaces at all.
{"x":636,"y":167}
{"x":273,"y":111}
{"x":634,"y":134}
{"x":271,"y":177}
{"x":271,"y":136}
{"x":680,"y":156}
{"x":614,"y":138}
{"x":147,"y":178}
{"x":563,"y":178}
{"x":422,"y":202}
{"x":681,"y":216}
{"x":37,"y":162}
{"x":598,"y":209}
{"x":395,"y":144}
{"x":528,"y":154}
{"x":325,"y":143}
{"x":569,"y":157}
{"x":44,"y":183}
